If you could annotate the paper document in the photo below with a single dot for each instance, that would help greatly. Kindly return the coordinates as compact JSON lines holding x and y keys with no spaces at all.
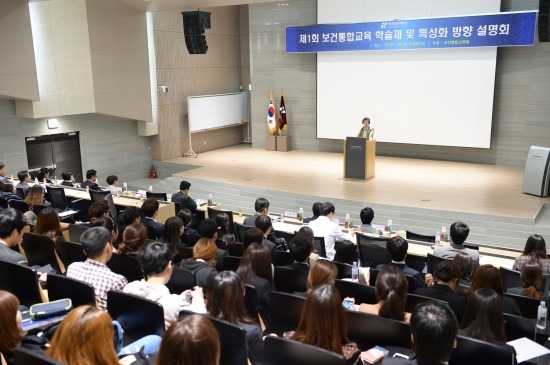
{"x":67,"y":213}
{"x":527,"y":349}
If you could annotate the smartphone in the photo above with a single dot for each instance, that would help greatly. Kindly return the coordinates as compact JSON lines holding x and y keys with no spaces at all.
{"x":348,"y":304}
{"x":26,"y":315}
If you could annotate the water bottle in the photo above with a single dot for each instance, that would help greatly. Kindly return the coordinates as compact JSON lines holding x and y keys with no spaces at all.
{"x":36,"y":180}
{"x":124,"y":187}
{"x":443,"y":235}
{"x":437,"y":237}
{"x":355,"y":272}
{"x":301,"y":214}
{"x":346,"y":222}
{"x":541,"y":316}
{"x":210,"y":197}
{"x":390,"y":223}
{"x":150,"y":188}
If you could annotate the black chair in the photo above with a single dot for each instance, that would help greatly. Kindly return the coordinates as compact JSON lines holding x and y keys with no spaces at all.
{"x":319,"y":246}
{"x":157,"y":196}
{"x":138,"y":316}
{"x":21,"y":281}
{"x":284,"y":312}
{"x":212,"y":213}
{"x":432,"y":261}
{"x":186,"y":252}
{"x":369,"y":330}
{"x":61,"y":287}
{"x":420,"y":237}
{"x":416,"y":262}
{"x":19,"y":205}
{"x":414,"y":299}
{"x":289,"y":280}
{"x":476,"y":352}
{"x":288,"y":236}
{"x":232,"y":340}
{"x":236,"y":249}
{"x":24,"y":356}
{"x":40,"y":250}
{"x":231,"y":263}
{"x":99,"y":195}
{"x":362,"y":293}
{"x":344,"y":270}
{"x":112,"y":207}
{"x":282,"y":351}
{"x":3,"y":203}
{"x":527,"y":306}
{"x":371,"y":252}
{"x":57,"y":196}
{"x":70,"y":252}
{"x":240,"y":230}
{"x":181,"y":280}
{"x":281,"y":258}
{"x":125,"y":265}
{"x":251,"y":301}
{"x":75,"y":231}
{"x":20,"y":192}
{"x":517,"y":327}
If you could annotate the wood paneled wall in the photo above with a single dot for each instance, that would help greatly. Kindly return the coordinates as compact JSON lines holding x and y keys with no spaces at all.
{"x":521,"y":112}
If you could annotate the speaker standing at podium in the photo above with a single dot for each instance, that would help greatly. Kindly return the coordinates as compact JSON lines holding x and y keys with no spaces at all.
{"x":366,"y":132}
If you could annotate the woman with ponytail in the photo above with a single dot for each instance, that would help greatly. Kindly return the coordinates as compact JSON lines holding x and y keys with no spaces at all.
{"x":391,"y":292}
{"x":531,"y":277}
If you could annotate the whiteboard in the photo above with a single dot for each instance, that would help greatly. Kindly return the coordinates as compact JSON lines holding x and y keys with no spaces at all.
{"x":217,"y":111}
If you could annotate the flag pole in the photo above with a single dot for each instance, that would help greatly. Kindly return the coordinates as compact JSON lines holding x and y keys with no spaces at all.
{"x":248,"y":139}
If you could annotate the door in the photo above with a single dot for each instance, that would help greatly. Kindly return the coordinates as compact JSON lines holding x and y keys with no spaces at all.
{"x":60,"y":151}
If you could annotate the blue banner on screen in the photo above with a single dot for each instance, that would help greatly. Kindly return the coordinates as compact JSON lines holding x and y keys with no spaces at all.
{"x":495,"y":30}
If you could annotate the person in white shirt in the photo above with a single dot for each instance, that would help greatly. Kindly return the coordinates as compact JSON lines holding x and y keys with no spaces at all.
{"x":112,"y":180}
{"x":155,"y":260}
{"x":324,"y":226}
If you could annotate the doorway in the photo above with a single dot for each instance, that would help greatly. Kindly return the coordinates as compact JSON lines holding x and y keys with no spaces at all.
{"x":59,"y":152}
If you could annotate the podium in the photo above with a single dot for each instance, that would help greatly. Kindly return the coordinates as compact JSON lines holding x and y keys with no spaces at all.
{"x":359,"y":158}
{"x":536,"y":177}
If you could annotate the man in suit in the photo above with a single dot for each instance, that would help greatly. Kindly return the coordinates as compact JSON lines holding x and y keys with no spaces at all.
{"x":459,"y":233}
{"x":91,"y":180}
{"x":182,"y":197}
{"x":24,"y":180}
{"x":300,"y":249}
{"x":397,"y":248}
{"x":433,"y":331}
{"x":316,"y":209}
{"x":150,"y":209}
{"x":262,"y":209}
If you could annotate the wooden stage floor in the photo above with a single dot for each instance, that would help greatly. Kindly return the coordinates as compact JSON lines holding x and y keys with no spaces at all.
{"x":440,"y":185}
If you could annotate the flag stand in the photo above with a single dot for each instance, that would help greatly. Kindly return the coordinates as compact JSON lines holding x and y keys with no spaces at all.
{"x":248,"y":139}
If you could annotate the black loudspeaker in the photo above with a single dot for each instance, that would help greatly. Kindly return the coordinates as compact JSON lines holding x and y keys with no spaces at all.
{"x":194,"y":24}
{"x":544,"y":21}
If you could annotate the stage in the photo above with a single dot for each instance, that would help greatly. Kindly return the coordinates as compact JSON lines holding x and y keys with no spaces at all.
{"x":418,"y":194}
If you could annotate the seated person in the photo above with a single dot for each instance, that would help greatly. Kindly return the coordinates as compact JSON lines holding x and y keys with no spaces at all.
{"x":225,"y":237}
{"x":112,"y":181}
{"x":11,"y":234}
{"x":24,"y":180}
{"x":191,"y":340}
{"x":397,"y":248}
{"x":300,"y":249}
{"x":91,"y":180}
{"x":43,"y":176}
{"x":190,"y":235}
{"x":97,"y":211}
{"x":97,"y":246}
{"x":446,"y":277}
{"x":322,"y":272}
{"x":326,"y":227}
{"x":264,"y":224}
{"x":3,"y":177}
{"x":535,"y":249}
{"x":367,"y":215}
{"x":155,"y":261}
{"x":262,"y":209}
{"x":8,"y":191}
{"x":68,"y":178}
{"x":391,"y":290}
{"x":203,"y":263}
{"x":459,"y":233}
{"x":466,"y":265}
{"x":316,"y":209}
{"x":150,"y":209}
{"x":134,"y":238}
{"x":182,"y":197}
{"x":531,"y":278}
{"x":36,"y":197}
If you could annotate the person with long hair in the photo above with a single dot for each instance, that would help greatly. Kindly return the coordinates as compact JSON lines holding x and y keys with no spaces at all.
{"x":173,"y":229}
{"x":488,"y":276}
{"x":36,"y":197}
{"x":446,"y":277}
{"x":43,"y":176}
{"x":391,"y":292}
{"x":225,"y":237}
{"x":129,"y":215}
{"x":191,"y":340}
{"x":134,"y":239}
{"x":86,"y":337}
{"x":225,"y":300}
{"x":535,"y":250}
{"x":203,"y":263}
{"x":466,"y":266}
{"x":255,"y":269}
{"x":323,"y":323}
{"x":307,"y":233}
{"x":48,"y":224}
{"x":531,"y":277}
{"x":322,"y":272}
{"x":484,"y":318}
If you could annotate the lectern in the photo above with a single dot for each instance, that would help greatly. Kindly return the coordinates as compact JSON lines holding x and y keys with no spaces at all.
{"x":359,"y":158}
